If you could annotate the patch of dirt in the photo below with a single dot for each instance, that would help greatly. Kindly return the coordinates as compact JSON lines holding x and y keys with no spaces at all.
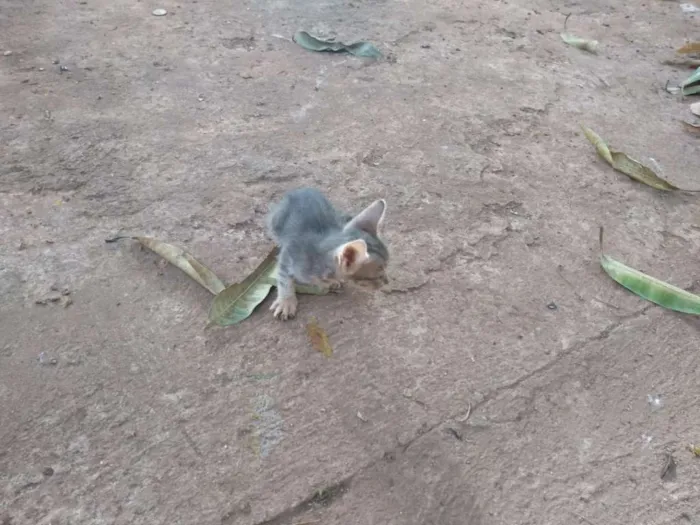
{"x":502,"y":379}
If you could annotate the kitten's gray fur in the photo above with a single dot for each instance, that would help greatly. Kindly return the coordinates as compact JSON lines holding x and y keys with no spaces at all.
{"x":309,"y":231}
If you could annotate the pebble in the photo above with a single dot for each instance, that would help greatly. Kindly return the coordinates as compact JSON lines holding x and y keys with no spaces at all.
{"x":159,"y":12}
{"x":7,"y":53}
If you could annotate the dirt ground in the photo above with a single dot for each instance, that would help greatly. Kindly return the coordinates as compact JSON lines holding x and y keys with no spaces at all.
{"x":502,"y":379}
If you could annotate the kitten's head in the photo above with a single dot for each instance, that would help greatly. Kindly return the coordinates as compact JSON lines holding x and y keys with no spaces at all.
{"x":365,"y":257}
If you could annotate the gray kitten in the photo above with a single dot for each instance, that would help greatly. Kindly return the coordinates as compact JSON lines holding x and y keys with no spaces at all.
{"x":322,"y":246}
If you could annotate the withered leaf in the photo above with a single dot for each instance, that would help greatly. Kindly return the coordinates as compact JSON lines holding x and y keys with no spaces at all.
{"x":318,"y":337}
{"x":181,"y":259}
{"x":691,"y":128}
{"x":626,"y":164}
{"x":689,"y":48}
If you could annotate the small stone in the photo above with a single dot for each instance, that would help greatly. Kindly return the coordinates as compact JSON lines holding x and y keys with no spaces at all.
{"x":200,"y":98}
{"x":64,"y":69}
{"x":552,"y":306}
{"x":56,"y":62}
{"x":7,"y":53}
{"x":159,"y":12}
{"x":41,"y":69}
{"x":48,"y":472}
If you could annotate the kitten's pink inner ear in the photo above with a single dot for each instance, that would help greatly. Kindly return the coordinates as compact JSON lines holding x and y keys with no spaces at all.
{"x":370,"y":218}
{"x":352,"y":253}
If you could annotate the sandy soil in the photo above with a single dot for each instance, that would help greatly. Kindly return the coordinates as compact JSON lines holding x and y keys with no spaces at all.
{"x":504,"y":380}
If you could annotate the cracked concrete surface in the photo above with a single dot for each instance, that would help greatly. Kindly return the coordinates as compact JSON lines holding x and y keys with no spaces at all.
{"x":503,"y":379}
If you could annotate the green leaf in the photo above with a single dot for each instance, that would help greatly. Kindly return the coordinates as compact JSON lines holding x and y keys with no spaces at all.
{"x":691,"y":85}
{"x":649,"y":288}
{"x":626,"y":164}
{"x":360,"y":49}
{"x":238,"y":301}
{"x":580,"y":43}
{"x":181,"y":259}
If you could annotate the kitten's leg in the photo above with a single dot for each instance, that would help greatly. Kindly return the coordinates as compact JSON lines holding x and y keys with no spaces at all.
{"x":285,"y":305}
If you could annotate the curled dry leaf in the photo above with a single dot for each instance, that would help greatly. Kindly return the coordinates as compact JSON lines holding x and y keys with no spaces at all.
{"x":181,"y":259}
{"x":647,"y":287}
{"x":360,"y":49}
{"x":580,"y":43}
{"x":627,"y":165}
{"x":689,"y":48}
{"x":318,"y":338}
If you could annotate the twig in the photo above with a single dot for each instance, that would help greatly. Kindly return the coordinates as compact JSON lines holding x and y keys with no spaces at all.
{"x":464,"y":418}
{"x":566,"y":20}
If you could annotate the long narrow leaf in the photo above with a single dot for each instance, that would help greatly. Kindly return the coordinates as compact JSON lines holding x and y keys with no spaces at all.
{"x":626,"y":164}
{"x":649,"y":288}
{"x":181,"y":259}
{"x":238,"y":301}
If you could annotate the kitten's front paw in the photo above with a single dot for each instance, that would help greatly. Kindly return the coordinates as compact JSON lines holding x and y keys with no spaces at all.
{"x":336,"y":286}
{"x":284,"y":307}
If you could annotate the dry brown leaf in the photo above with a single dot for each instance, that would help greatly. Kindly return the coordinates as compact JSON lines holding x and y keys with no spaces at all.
{"x":319,"y":338}
{"x":626,"y":164}
{"x":691,"y":128}
{"x":181,"y":259}
{"x":689,"y":48}
{"x":682,"y":62}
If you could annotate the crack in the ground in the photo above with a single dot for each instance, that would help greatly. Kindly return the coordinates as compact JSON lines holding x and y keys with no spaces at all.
{"x":337,"y":489}
{"x":323,"y":498}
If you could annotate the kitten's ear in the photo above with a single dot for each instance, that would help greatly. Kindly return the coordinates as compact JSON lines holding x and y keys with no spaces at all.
{"x":370,"y":218}
{"x":351,"y":255}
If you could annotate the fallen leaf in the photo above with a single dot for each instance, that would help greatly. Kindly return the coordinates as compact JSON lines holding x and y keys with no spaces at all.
{"x":238,"y":301}
{"x":580,"y":43}
{"x":318,"y":338}
{"x":181,"y":259}
{"x":691,"y":128}
{"x":691,"y":85}
{"x":668,"y":471}
{"x":627,"y":165}
{"x":647,"y":287}
{"x":360,"y":49}
{"x":682,"y":62}
{"x":688,"y":48}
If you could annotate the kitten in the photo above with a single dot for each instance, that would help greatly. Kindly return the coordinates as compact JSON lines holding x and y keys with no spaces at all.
{"x":323,"y":247}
